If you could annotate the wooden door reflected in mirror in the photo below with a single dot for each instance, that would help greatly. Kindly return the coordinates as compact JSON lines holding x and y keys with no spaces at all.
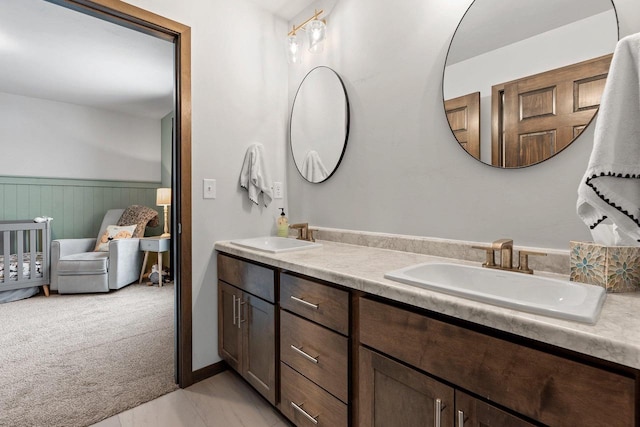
{"x":526,"y":77}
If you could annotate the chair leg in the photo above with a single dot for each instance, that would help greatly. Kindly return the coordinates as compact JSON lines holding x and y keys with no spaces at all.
{"x":45,"y":288}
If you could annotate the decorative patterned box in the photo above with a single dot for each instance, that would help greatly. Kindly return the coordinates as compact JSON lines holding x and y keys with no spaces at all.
{"x":615,"y":268}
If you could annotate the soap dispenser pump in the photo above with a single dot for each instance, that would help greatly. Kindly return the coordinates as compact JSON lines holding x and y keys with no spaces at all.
{"x":282,"y":225}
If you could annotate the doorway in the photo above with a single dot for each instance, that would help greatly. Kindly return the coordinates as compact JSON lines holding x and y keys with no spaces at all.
{"x":133,"y":17}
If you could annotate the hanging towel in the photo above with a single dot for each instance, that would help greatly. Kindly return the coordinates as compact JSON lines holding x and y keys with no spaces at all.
{"x":312,"y":167}
{"x":610,"y":187}
{"x":254,"y":176}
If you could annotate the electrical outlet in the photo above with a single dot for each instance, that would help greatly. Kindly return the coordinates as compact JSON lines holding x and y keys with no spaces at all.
{"x":277,"y":190}
{"x":209,"y":189}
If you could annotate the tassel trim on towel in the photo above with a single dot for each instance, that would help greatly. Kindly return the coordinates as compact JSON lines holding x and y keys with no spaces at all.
{"x":255,"y":201}
{"x":609,"y":202}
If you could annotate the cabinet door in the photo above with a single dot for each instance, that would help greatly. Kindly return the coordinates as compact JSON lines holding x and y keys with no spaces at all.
{"x":259,"y":345}
{"x":392,"y":394}
{"x":229,"y":331}
{"x":471,"y":412}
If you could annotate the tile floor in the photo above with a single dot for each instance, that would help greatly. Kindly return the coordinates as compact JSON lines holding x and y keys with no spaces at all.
{"x":224,"y":400}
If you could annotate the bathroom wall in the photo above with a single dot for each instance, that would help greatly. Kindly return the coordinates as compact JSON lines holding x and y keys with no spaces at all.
{"x":239,"y":86}
{"x":403,"y":171}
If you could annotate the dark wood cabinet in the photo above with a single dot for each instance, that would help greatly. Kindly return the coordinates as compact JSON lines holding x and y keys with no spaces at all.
{"x":532,"y":383}
{"x":246,"y":323}
{"x":472,"y":412}
{"x":392,"y":394}
{"x":229,"y":334}
{"x":327,"y":356}
{"x":259,"y":345}
{"x":314,"y":352}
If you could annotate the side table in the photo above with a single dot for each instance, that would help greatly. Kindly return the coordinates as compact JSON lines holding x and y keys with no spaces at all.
{"x":154,"y":244}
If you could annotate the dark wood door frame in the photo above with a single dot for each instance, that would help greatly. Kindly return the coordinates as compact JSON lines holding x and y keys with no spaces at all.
{"x":133,"y":17}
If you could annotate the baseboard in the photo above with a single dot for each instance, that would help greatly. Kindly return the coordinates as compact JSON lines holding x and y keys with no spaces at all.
{"x":209,"y":371}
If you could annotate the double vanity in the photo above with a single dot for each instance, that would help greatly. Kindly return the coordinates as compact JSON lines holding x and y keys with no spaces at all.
{"x":330,"y":341}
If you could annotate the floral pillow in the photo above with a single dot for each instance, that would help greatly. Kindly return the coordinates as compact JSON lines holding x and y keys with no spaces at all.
{"x":114,"y":232}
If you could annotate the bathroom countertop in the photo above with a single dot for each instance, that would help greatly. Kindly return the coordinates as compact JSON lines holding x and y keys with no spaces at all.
{"x":615,"y":336}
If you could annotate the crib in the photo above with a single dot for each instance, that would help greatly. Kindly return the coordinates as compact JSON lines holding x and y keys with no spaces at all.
{"x":24,"y":254}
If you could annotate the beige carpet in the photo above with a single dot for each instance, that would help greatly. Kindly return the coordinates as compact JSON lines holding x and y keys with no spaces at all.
{"x":73,"y":360}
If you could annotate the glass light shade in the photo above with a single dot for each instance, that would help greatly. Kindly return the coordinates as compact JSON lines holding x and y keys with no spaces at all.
{"x":163,"y":196}
{"x":293,"y":46}
{"x":316,"y":33}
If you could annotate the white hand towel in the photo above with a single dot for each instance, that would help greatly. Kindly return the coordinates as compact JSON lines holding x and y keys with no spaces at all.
{"x":312,"y":167}
{"x":610,"y":187}
{"x":254,"y":176}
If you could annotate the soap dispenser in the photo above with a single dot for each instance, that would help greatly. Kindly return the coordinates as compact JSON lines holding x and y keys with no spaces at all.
{"x":283,"y":225}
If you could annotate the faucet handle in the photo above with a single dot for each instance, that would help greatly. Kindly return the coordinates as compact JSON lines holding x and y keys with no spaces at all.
{"x":524,"y":260}
{"x":490,"y":261}
{"x":310,"y":236}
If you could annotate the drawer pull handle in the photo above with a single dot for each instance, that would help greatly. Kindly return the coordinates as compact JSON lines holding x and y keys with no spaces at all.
{"x":305,"y":413}
{"x":460,"y":419}
{"x":437,"y":410}
{"x":307,"y":303}
{"x":234,"y":309}
{"x":304,"y":354}
{"x":240,"y":320}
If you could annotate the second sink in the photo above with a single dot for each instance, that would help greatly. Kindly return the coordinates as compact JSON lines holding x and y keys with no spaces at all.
{"x":534,"y":294}
{"x":275,"y":244}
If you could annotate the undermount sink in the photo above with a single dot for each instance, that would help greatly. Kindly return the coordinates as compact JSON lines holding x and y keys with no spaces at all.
{"x":534,"y":294}
{"x":275,"y":245}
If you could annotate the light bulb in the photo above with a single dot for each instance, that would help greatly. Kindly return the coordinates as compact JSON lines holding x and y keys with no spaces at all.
{"x":293,"y":47}
{"x":316,"y":32}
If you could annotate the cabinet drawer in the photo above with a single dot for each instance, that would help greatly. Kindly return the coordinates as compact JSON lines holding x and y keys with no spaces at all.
{"x":308,"y":397}
{"x":154,"y":244}
{"x":322,"y":355}
{"x":321,"y":303}
{"x":546,"y":387}
{"x":252,"y":278}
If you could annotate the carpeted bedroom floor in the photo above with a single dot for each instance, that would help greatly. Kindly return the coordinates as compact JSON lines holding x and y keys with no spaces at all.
{"x":73,"y":360}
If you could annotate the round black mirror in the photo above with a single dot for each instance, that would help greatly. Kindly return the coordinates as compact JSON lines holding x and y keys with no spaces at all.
{"x":319,"y":127}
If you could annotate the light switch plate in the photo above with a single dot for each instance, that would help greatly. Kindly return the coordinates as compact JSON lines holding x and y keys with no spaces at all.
{"x":209,"y":189}
{"x":277,"y":190}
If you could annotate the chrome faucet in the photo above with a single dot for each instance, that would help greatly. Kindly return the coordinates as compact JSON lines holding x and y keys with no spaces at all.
{"x":304,"y":232}
{"x":505,"y":246}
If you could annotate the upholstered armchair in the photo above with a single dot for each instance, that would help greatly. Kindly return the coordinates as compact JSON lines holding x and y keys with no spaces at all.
{"x":77,"y":268}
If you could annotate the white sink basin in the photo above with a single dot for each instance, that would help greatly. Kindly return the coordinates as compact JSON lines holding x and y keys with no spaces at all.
{"x":534,"y":294}
{"x":275,"y":244}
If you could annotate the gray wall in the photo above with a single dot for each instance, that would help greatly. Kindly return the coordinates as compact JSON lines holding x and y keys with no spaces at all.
{"x":403,"y":171}
{"x":90,"y":143}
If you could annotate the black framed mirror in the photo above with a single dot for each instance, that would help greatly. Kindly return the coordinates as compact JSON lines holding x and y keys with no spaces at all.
{"x":319,"y":125}
{"x":522,"y":80}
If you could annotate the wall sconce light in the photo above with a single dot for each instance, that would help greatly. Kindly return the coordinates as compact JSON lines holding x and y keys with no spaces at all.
{"x":163,"y":198}
{"x":316,"y":33}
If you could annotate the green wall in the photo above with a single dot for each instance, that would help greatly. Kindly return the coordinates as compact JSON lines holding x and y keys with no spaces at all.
{"x":76,"y":206}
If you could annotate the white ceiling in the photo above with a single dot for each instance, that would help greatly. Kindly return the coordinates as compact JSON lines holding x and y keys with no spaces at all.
{"x":55,"y":53}
{"x":286,"y":9}
{"x":491,"y":24}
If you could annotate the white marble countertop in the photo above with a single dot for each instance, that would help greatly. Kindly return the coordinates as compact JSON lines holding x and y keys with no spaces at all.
{"x":615,"y":337}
